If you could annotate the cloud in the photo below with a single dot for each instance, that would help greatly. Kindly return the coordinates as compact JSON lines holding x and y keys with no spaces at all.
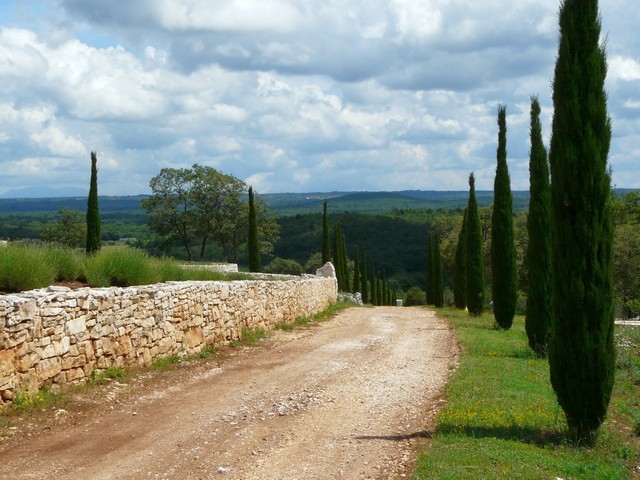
{"x":291,"y":95}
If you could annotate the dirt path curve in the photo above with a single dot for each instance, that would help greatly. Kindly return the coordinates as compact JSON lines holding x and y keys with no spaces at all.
{"x":349,"y":398}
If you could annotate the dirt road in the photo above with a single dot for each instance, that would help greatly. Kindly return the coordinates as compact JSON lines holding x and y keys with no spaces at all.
{"x":348,"y":398}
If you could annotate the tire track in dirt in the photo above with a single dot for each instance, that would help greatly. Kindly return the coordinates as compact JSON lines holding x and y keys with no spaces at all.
{"x":348,"y":398}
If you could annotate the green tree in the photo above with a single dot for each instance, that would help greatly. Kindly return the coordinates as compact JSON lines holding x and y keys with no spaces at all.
{"x":475,"y":266}
{"x":70,"y":230}
{"x":459,"y":283}
{"x":326,"y":244}
{"x":254,"y":244}
{"x":220,"y":212}
{"x":200,"y":206}
{"x":93,"y":212}
{"x":538,"y":316}
{"x":364,"y":280}
{"x":430,"y":278}
{"x":356,"y":272}
{"x":438,"y":286}
{"x":341,"y":262}
{"x":503,"y":250}
{"x":581,"y":349}
{"x":284,"y":266}
{"x":374,"y":286}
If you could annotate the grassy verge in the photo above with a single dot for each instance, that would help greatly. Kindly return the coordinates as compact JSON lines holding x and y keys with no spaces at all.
{"x":502,"y":420}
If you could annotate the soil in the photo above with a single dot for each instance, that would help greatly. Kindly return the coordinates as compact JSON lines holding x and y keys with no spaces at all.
{"x":353,"y":397}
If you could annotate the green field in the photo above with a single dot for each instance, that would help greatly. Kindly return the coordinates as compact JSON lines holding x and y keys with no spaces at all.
{"x":502,"y":421}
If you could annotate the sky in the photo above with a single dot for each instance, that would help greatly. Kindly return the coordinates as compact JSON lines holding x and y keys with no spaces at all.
{"x":290,"y":95}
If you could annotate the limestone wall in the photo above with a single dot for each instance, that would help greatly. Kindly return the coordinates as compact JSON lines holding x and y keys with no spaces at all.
{"x":60,"y":336}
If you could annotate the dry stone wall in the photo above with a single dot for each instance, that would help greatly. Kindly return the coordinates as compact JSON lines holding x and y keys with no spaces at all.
{"x":59,"y":336}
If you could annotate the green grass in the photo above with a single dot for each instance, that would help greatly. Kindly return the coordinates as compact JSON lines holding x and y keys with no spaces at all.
{"x":24,"y":267}
{"x":27,"y":266}
{"x":207,"y":351}
{"x":502,"y":420}
{"x":45,"y":398}
{"x":165,"y":363}
{"x":251,"y":336}
{"x":111,"y":373}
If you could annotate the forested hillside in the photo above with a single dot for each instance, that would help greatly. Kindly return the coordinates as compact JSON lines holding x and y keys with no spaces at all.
{"x":395,"y":241}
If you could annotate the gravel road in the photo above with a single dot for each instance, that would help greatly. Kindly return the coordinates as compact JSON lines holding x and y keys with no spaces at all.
{"x":353,"y":398}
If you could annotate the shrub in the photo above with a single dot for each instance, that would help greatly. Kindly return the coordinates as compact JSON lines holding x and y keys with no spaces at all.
{"x":415,"y":296}
{"x":24,"y":267}
{"x":67,"y":263}
{"x":284,"y":266}
{"x":121,"y":266}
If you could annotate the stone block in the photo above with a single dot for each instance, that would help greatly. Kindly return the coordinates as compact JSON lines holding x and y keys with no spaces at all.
{"x":48,"y":368}
{"x":76,"y":326}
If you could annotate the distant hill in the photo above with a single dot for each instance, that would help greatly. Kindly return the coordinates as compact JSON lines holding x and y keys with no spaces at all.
{"x":288,"y":204}
{"x":53,"y":204}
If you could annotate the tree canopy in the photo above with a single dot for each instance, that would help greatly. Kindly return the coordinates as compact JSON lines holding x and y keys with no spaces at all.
{"x":193,"y":207}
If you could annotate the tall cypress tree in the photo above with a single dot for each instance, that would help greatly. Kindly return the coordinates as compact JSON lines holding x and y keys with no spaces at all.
{"x":374,"y":287}
{"x":337,"y":251}
{"x":364,"y":280}
{"x":475,"y":266}
{"x":430,"y":274}
{"x":460,"y":277}
{"x":538,"y":317}
{"x":385,"y":287}
{"x":344,"y":260}
{"x":503,"y":250}
{"x":93,"y":213}
{"x":253,"y":243}
{"x":326,"y":244}
{"x":356,"y":273}
{"x":438,"y":287}
{"x":581,"y":349}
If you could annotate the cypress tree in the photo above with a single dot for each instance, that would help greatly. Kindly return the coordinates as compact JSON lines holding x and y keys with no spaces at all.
{"x":430,"y":274}
{"x":337,"y":246}
{"x":93,"y":213}
{"x":385,"y":290}
{"x":356,"y":273}
{"x":326,"y":244}
{"x":475,"y":266}
{"x":438,"y":288}
{"x":253,"y":243}
{"x":374,"y":287}
{"x":581,"y":348}
{"x":379,"y":293}
{"x":538,"y":317}
{"x":459,"y":279}
{"x":503,"y":250}
{"x":364,"y":280}
{"x":345,"y":265}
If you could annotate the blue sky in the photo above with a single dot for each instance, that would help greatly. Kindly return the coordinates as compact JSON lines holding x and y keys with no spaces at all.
{"x":289,"y":95}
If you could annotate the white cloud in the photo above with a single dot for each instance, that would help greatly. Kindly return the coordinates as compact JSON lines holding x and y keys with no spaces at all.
{"x":293,"y":95}
{"x":624,"y":68}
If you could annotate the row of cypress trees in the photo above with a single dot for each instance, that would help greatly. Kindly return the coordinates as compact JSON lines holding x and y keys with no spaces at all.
{"x":570,"y":298}
{"x":373,"y":285}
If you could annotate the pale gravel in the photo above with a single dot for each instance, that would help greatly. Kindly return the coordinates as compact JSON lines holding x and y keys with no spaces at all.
{"x":354,"y":397}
